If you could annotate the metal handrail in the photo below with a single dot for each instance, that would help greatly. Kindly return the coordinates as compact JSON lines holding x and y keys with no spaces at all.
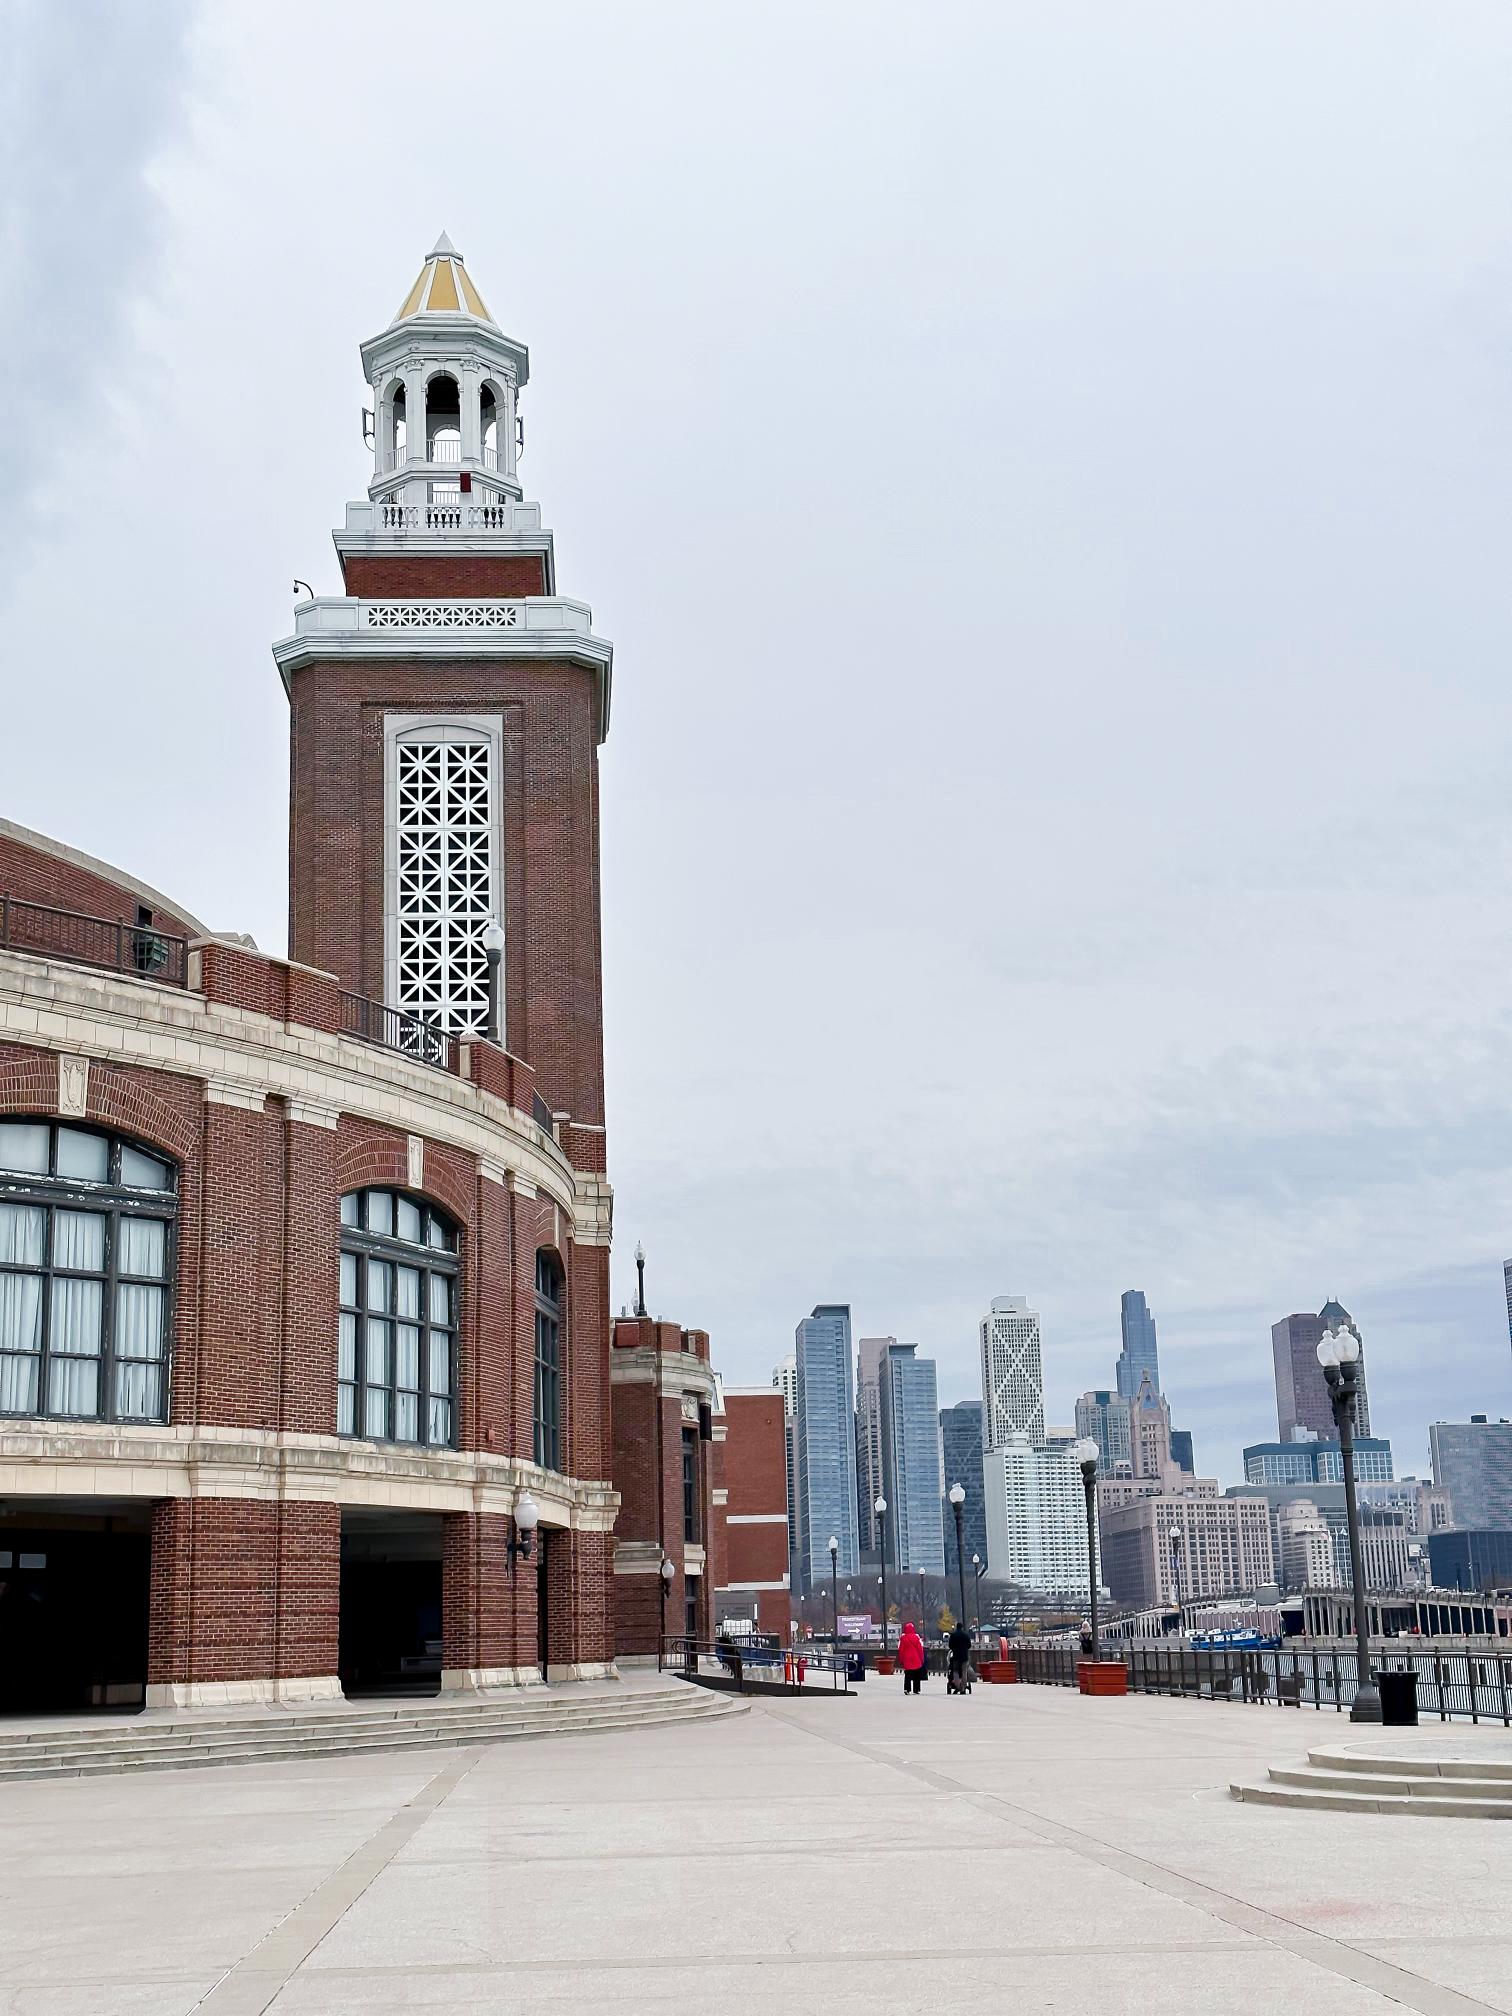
{"x":396,"y":1029}
{"x":139,"y":949}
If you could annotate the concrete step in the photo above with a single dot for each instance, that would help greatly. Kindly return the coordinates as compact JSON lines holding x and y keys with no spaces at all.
{"x":1338,"y":1758}
{"x":1391,"y":1783}
{"x":1363,"y":1802}
{"x":332,"y":1738}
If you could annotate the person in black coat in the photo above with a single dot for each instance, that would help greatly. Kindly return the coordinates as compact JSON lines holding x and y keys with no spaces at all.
{"x":959,"y":1642}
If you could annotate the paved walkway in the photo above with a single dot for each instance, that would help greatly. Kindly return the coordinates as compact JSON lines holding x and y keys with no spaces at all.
{"x":1020,"y":1851}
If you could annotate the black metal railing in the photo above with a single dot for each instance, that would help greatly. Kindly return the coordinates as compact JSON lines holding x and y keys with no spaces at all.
{"x":541,"y":1113}
{"x":94,"y":941}
{"x":731,"y":1662}
{"x":1467,"y":1685}
{"x":397,"y":1030}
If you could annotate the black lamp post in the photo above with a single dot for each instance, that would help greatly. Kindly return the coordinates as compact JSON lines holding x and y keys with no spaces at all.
{"x":880,"y":1508}
{"x":923,"y":1619}
{"x":957,"y":1500}
{"x":493,"y":951}
{"x":1339,"y":1355}
{"x":834,"y":1546}
{"x":976,"y":1570}
{"x":1176,"y":1573}
{"x":1085,"y":1453}
{"x":640,"y":1279}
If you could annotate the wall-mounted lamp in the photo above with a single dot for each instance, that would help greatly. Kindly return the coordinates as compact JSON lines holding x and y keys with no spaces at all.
{"x":527,"y":1516}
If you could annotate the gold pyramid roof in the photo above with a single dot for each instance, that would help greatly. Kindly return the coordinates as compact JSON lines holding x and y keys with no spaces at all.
{"x":443,"y":288}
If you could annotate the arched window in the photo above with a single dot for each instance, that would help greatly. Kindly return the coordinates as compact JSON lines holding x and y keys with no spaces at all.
{"x":548,"y":1362}
{"x":86,"y":1257}
{"x":397,"y":1358}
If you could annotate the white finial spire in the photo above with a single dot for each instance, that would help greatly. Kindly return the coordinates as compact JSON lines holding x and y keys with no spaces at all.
{"x":444,"y":249}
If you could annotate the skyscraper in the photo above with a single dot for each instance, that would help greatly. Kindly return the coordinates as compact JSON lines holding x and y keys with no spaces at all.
{"x":1036,"y":1517}
{"x":1105,"y":1418}
{"x":1301,"y":1390}
{"x":825,"y":1445}
{"x":785,"y":1379}
{"x":911,"y":1458}
{"x":1139,"y":1354}
{"x":1472,"y":1461}
{"x":1507,"y":1284}
{"x":961,"y":1445}
{"x":1151,"y":1436}
{"x":869,"y":1482}
{"x":1013,"y":1382}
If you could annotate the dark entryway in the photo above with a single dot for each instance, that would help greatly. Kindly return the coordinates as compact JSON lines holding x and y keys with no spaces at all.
{"x":74,"y":1590}
{"x":543,"y":1606}
{"x":390,"y":1603}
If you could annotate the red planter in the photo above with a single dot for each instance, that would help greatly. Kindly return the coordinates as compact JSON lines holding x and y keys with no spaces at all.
{"x":886,"y":1666}
{"x":998,"y":1672}
{"x":1102,"y":1676}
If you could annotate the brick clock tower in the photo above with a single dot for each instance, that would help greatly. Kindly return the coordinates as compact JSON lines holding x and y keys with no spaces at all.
{"x":446,"y":714}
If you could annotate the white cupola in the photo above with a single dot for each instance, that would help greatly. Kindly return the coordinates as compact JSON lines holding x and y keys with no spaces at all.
{"x":445,"y":382}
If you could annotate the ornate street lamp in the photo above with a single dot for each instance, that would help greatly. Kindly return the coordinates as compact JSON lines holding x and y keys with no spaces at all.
{"x":834,"y":1547}
{"x":493,"y":951}
{"x":880,"y":1508}
{"x":1339,"y":1355}
{"x":1085,"y":1453}
{"x":957,"y":1496}
{"x":1176,"y":1573}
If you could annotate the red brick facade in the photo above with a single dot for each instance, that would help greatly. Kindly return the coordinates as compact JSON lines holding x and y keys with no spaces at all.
{"x":753,"y":1578}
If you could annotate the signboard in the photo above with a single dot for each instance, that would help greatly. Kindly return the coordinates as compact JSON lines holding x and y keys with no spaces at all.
{"x":856,"y":1627}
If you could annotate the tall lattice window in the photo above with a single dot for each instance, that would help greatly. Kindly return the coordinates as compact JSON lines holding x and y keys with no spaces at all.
{"x":443,"y":890}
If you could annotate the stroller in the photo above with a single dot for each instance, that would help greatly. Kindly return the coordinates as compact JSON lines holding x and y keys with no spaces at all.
{"x":960,"y":1679}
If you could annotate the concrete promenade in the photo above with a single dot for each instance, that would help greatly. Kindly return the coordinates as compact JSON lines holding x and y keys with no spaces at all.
{"x":1021,"y":1850}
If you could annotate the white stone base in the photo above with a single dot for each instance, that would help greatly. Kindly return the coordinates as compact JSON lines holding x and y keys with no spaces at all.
{"x":587,"y":1669}
{"x":486,"y":1679}
{"x":245,"y":1693}
{"x":638,"y":1662}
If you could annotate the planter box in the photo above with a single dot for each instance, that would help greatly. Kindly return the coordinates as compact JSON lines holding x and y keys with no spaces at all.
{"x":1102,"y":1676}
{"x":998,"y":1672}
{"x":887,"y":1665}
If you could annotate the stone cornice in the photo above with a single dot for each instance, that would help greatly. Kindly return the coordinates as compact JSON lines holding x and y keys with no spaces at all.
{"x":104,"y":1460}
{"x":672,"y":1373}
{"x":71,"y":1009}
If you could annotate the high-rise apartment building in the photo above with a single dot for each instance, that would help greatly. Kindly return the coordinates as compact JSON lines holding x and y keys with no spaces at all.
{"x":1036,"y":1518}
{"x":1302,"y":1400}
{"x":1105,"y":1418}
{"x":1139,"y":1355}
{"x":961,"y":1448}
{"x":1472,"y":1461}
{"x":785,"y":1379}
{"x":911,"y":1459}
{"x":869,"y":1475}
{"x":1507,"y":1284}
{"x":1224,"y":1548}
{"x":1307,"y":1548}
{"x":1013,"y":1381}
{"x":825,"y":1445}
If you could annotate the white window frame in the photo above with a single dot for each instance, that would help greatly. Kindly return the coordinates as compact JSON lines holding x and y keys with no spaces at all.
{"x":404,"y":728}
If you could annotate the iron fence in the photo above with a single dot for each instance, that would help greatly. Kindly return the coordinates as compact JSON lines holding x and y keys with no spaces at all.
{"x":729,"y":1662}
{"x":94,"y":941}
{"x":1474,"y":1686}
{"x":395,"y":1029}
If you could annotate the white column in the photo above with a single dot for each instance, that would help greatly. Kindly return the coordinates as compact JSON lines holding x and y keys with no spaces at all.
{"x":468,"y":396}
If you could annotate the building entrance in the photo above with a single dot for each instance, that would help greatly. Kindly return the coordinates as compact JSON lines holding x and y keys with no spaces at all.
{"x":74,"y":1586}
{"x":390,"y":1640}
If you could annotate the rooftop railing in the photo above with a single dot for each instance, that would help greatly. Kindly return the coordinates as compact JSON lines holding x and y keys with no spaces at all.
{"x":139,"y":949}
{"x":396,"y":1029}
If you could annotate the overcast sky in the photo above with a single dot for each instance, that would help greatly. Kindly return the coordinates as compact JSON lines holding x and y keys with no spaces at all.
{"x":1045,"y":473}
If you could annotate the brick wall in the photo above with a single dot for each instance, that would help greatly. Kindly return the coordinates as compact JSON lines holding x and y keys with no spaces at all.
{"x":35,"y":875}
{"x":448,"y":576}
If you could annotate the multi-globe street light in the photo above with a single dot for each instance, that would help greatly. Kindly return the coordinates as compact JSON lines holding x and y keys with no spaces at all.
{"x":957,"y":1501}
{"x":1339,"y":1355}
{"x":1085,"y":1453}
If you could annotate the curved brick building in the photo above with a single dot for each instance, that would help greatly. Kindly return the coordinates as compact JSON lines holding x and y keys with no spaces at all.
{"x":304,"y":1261}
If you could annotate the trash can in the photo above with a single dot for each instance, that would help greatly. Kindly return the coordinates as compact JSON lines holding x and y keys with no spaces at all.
{"x":855,"y":1666}
{"x":1398,"y":1699}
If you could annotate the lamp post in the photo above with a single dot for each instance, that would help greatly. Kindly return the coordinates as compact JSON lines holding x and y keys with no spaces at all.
{"x":923,"y":1620}
{"x":880,"y":1508}
{"x":1085,"y":1453}
{"x":640,"y":1279}
{"x":493,"y":951}
{"x":976,"y":1570}
{"x":957,"y":1496}
{"x":1176,"y":1573}
{"x":1339,"y":1355}
{"x":834,"y":1546}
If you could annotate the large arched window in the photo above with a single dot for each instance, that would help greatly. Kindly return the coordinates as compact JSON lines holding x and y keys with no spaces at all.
{"x":86,"y":1249}
{"x":548,"y":1362}
{"x":397,"y":1362}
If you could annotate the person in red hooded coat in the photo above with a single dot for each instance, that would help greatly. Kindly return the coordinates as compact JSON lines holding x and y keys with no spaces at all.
{"x":911,"y":1659}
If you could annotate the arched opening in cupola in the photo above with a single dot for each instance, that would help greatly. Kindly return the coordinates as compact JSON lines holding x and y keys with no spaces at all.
{"x":488,"y":426}
{"x":443,"y":419}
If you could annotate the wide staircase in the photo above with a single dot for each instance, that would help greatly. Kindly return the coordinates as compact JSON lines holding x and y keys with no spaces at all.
{"x":163,"y":1742}
{"x":1393,"y":1780}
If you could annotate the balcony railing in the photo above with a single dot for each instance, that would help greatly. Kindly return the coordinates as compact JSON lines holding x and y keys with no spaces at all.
{"x":94,"y":941}
{"x":395,"y":1029}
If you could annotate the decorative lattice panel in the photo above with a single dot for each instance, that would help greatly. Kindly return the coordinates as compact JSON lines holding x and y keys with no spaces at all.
{"x":445,"y":881}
